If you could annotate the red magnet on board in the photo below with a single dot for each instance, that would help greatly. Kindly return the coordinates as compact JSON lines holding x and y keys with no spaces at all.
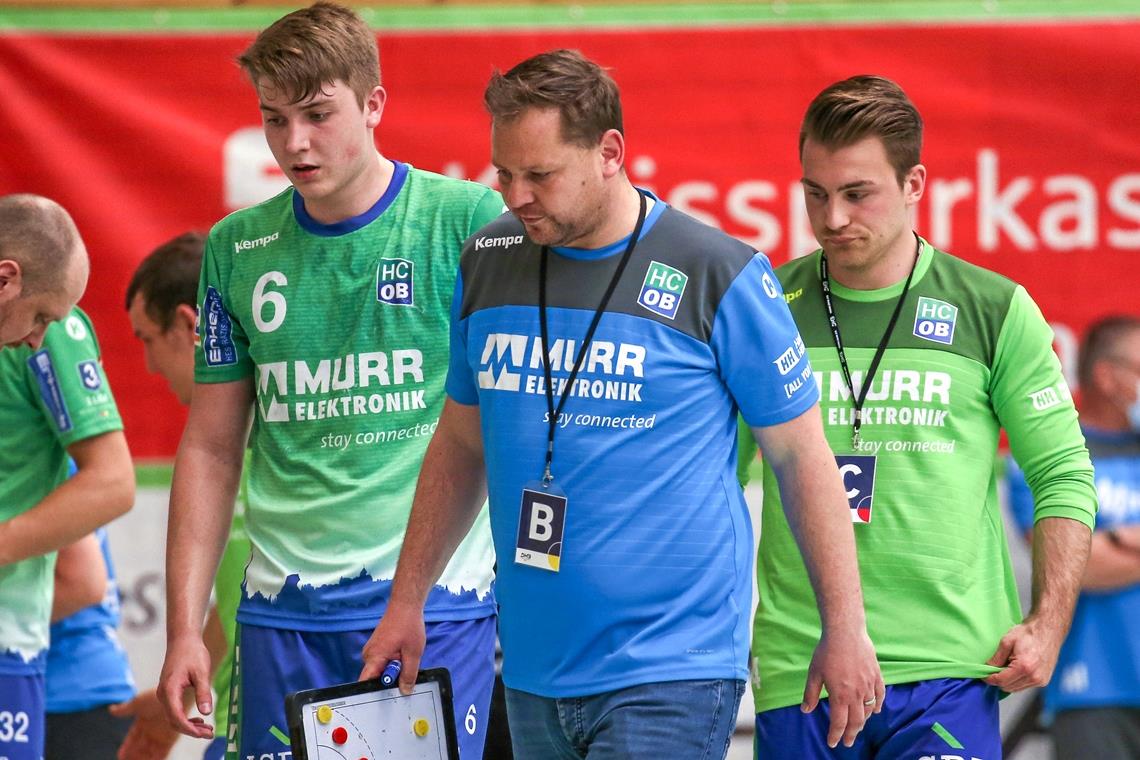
{"x":340,"y":735}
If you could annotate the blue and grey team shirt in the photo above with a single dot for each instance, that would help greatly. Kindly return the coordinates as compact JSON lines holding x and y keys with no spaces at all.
{"x":653,"y":581}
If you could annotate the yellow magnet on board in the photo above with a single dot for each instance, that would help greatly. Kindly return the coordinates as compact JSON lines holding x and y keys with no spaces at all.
{"x":324,"y":713}
{"x":421,"y":727}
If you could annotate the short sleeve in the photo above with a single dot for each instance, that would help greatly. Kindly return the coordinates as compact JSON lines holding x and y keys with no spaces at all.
{"x":759,"y":351}
{"x":223,"y":354}
{"x":460,"y":385}
{"x":73,"y":392}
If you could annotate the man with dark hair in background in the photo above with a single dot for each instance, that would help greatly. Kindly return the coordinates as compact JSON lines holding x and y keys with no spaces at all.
{"x":55,"y":404}
{"x":161,"y":302}
{"x":1094,"y":695}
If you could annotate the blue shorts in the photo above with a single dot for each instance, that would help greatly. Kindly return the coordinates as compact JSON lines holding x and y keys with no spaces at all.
{"x":22,"y":717}
{"x":942,"y":718}
{"x":215,"y":750}
{"x":271,"y":663}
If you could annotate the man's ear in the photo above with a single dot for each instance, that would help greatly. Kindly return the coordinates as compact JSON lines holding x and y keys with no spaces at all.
{"x":185,"y":320}
{"x":11,"y":280}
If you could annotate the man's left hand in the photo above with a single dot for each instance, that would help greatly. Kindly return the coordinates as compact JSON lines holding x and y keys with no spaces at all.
{"x":1027,"y":655}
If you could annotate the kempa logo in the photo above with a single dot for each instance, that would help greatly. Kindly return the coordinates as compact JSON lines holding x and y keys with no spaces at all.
{"x":662,"y":290}
{"x":261,"y":242}
{"x":496,"y":242}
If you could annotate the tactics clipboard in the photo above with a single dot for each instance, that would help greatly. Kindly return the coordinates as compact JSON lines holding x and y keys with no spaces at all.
{"x":364,"y":720}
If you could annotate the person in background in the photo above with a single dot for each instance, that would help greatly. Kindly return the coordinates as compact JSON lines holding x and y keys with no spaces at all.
{"x":55,"y":404}
{"x":1094,"y":695}
{"x":161,"y":303}
{"x":87,"y":669}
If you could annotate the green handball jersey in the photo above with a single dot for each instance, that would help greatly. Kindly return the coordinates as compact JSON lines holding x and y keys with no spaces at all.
{"x":50,"y":398}
{"x":343,"y":331}
{"x":970,"y":355}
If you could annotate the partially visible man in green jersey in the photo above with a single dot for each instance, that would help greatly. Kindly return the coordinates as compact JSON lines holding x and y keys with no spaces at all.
{"x":54,"y":403}
{"x":922,"y":359}
{"x":161,"y":303}
{"x":324,"y":315}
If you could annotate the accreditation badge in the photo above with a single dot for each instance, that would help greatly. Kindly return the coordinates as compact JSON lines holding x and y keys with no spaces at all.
{"x":542,"y":521}
{"x":858,"y":473}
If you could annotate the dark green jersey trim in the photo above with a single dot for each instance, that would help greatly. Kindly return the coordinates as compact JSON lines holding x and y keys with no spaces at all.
{"x":491,"y":17}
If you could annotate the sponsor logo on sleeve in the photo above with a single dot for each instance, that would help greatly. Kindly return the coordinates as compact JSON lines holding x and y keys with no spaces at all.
{"x":858,"y":473}
{"x":663,"y":289}
{"x":41,"y":365}
{"x":934,"y":320}
{"x":75,"y":328}
{"x":1049,"y":397}
{"x":394,"y":284}
{"x":770,"y":286}
{"x":89,"y":375}
{"x":217,"y":331}
{"x":788,"y":360}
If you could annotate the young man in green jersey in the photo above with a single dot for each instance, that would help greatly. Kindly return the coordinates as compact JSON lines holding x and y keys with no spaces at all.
{"x":54,"y":404}
{"x":921,"y":359}
{"x":161,"y":303}
{"x":324,"y":315}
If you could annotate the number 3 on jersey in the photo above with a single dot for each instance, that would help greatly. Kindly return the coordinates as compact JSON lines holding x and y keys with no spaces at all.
{"x":275,"y":301}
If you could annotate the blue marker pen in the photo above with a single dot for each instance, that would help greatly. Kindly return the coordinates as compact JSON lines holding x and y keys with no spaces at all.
{"x":390,"y":674}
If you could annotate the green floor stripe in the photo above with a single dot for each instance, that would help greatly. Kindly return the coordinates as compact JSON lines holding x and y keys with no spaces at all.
{"x":281,"y":737}
{"x":947,"y":736}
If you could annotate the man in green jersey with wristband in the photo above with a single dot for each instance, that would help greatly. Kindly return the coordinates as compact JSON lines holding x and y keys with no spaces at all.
{"x":324,"y":316}
{"x":161,"y":302}
{"x":55,"y":403}
{"x":921,"y":359}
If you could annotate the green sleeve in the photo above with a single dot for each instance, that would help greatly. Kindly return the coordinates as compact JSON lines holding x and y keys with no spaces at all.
{"x":489,"y":208}
{"x":223,"y":354}
{"x":1033,"y":403}
{"x":83,"y":406}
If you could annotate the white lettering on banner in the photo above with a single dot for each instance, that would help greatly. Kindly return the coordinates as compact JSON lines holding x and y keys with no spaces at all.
{"x":1066,"y":207}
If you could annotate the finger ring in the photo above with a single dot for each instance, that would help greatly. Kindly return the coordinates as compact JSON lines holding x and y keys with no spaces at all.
{"x":869,"y":702}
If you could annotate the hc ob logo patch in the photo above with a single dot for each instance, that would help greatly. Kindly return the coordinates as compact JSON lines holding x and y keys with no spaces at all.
{"x":662,"y":290}
{"x":394,"y":282}
{"x":934,"y":320}
{"x":542,"y":519}
{"x":858,"y":473}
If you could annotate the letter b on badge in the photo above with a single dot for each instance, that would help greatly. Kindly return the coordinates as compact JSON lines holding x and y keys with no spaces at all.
{"x":542,"y":518}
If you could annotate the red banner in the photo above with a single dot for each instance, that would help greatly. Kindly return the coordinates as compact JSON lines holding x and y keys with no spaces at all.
{"x":1032,"y":144}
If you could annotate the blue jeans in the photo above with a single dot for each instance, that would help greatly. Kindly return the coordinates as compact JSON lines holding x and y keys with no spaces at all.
{"x":689,"y":719}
